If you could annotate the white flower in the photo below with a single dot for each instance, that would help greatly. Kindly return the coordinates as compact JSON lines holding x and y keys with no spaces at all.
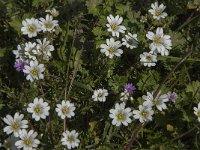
{"x":34,"y":71}
{"x":9,"y":143}
{"x":30,"y":50}
{"x":144,"y":113}
{"x":53,"y":12}
{"x":19,"y":52}
{"x":27,"y":140}
{"x":120,"y":115}
{"x":197,"y":111}
{"x":31,"y":27}
{"x":148,"y":59}
{"x":112,"y":48}
{"x":44,"y":48}
{"x":39,"y":109}
{"x":114,"y":25}
{"x":159,"y":101}
{"x":15,"y":124}
{"x":70,"y":139}
{"x":161,"y":43}
{"x":130,"y":40}
{"x":158,"y":11}
{"x":48,"y":24}
{"x":65,"y":109}
{"x":100,"y":95}
{"x":124,"y":96}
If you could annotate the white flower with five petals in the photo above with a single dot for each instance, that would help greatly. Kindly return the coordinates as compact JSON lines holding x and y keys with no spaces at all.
{"x":159,"y":101}
{"x":70,"y":139}
{"x":31,"y":27}
{"x":39,"y":109}
{"x":65,"y":109}
{"x":34,"y":71}
{"x":120,"y":115}
{"x":130,"y":41}
{"x":114,"y":25}
{"x":15,"y":124}
{"x":27,"y":140}
{"x":48,"y":24}
{"x":100,"y":95}
{"x":158,"y":11}
{"x":111,"y":48}
{"x":161,"y":43}
{"x":144,"y":114}
{"x":148,"y":59}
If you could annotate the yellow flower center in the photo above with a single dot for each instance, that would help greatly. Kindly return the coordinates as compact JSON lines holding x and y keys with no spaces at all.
{"x":70,"y":138}
{"x":37,"y":109}
{"x":27,"y":142}
{"x":144,"y":113}
{"x":34,"y":72}
{"x":131,"y":41}
{"x":148,"y":58}
{"x":31,"y":29}
{"x":48,"y":25}
{"x":8,"y":144}
{"x":198,"y":113}
{"x":120,"y":116}
{"x":15,"y":125}
{"x":114,"y":27}
{"x":157,"y":40}
{"x":111,"y":50}
{"x":158,"y":13}
{"x":65,"y":110}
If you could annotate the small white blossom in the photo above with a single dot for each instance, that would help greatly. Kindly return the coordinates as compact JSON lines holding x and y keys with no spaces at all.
{"x":53,"y":12}
{"x":114,"y":25}
{"x":19,"y":52}
{"x":65,"y":109}
{"x":158,"y":11}
{"x":27,"y":140}
{"x":148,"y":59}
{"x":48,"y":24}
{"x":197,"y":111}
{"x":9,"y":143}
{"x":100,"y":95}
{"x":161,"y":43}
{"x":34,"y":71}
{"x":144,"y":114}
{"x":120,"y":115}
{"x":124,"y":96}
{"x":15,"y":124}
{"x":112,"y":48}
{"x":159,"y":101}
{"x":31,"y":27}
{"x":39,"y":109}
{"x":30,"y":50}
{"x":70,"y":139}
{"x":45,"y":48}
{"x":130,"y":41}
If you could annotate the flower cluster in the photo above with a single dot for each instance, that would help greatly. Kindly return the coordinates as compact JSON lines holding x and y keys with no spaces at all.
{"x":31,"y":55}
{"x":161,"y":43}
{"x":113,"y":47}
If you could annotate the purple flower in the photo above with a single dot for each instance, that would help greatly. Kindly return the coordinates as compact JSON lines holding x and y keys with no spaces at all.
{"x":19,"y":65}
{"x":130,"y":88}
{"x":172,"y":96}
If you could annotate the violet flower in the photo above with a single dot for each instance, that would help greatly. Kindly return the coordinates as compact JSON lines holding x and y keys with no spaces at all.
{"x":130,"y":88}
{"x":19,"y":65}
